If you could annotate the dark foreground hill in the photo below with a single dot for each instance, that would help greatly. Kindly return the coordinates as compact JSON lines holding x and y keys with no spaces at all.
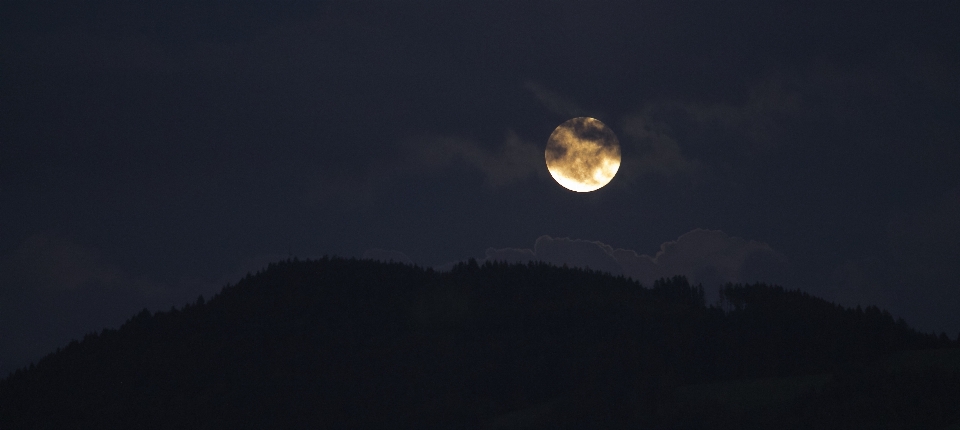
{"x":338,"y":343}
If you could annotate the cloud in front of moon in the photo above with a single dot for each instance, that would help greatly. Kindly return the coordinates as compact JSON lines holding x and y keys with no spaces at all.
{"x":583,"y":154}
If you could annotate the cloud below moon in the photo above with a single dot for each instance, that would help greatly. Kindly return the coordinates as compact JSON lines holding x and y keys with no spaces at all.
{"x":710,"y":257}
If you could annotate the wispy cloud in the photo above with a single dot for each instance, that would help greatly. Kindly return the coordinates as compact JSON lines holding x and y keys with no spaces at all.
{"x":512,"y":160}
{"x":553,"y":101}
{"x":501,"y":164}
{"x":655,"y":148}
{"x":756,"y":118}
{"x":47,"y":262}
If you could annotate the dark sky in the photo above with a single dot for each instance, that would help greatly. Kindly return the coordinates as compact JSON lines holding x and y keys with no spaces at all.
{"x":151,"y":152}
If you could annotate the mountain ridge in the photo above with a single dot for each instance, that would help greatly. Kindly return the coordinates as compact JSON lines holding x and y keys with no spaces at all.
{"x":350,"y":343}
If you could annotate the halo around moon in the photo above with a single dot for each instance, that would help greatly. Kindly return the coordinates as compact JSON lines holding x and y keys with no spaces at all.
{"x":583,"y":154}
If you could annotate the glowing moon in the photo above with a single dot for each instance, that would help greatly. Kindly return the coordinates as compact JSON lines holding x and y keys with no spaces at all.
{"x":583,"y":154}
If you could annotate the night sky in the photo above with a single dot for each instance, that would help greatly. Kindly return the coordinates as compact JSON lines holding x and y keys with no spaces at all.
{"x":151,"y":152}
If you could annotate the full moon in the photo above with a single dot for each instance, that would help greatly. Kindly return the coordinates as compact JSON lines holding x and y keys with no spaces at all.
{"x":583,"y":154}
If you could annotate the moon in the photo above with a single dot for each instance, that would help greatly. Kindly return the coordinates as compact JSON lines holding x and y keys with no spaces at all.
{"x":583,"y":154}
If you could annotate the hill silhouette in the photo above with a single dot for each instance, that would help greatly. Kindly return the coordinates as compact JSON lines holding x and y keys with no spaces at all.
{"x":343,"y":343}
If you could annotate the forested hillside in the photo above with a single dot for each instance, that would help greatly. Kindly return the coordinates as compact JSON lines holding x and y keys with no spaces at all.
{"x":338,"y":343}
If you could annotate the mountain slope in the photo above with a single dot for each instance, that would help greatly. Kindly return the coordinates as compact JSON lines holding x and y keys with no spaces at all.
{"x":338,"y":343}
